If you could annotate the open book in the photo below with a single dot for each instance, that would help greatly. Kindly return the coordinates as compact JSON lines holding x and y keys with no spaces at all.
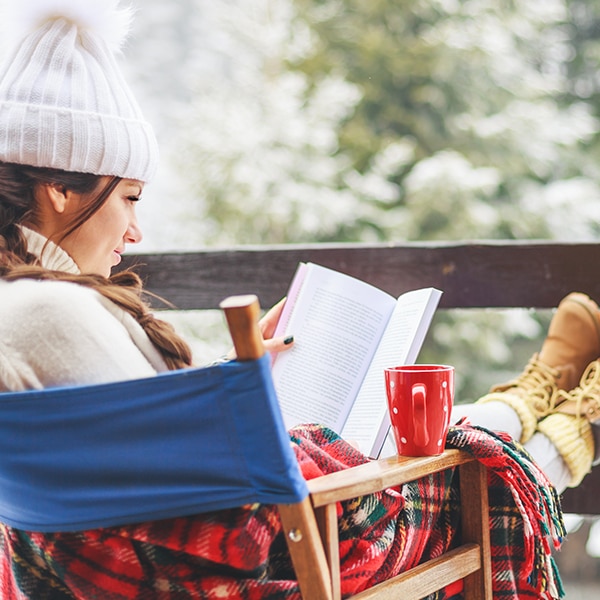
{"x":345,"y":333}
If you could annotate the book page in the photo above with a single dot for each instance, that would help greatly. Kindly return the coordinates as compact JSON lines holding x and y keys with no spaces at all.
{"x":368,"y":423}
{"x":337,"y":323}
{"x":291,"y":299}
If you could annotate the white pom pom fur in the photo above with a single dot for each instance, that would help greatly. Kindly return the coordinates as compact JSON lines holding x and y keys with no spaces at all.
{"x":103,"y":18}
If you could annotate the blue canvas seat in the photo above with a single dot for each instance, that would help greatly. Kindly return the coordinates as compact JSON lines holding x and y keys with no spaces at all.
{"x":171,"y":445}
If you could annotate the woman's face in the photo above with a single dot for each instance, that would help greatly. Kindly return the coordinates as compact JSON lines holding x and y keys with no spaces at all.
{"x":97,"y":244}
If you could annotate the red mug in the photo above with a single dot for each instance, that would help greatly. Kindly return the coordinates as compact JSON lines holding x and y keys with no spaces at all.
{"x":419,"y":401}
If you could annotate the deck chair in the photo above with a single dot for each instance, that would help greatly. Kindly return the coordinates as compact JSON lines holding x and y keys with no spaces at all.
{"x":138,"y":444}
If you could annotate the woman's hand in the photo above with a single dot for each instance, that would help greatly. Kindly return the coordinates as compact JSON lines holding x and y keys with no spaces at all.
{"x":267,"y":326}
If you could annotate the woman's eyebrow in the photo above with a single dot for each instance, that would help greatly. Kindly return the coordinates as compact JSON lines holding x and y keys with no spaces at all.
{"x":134,"y":187}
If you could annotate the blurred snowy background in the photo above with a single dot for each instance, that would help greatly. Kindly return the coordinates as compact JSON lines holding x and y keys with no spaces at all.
{"x":351,"y":120}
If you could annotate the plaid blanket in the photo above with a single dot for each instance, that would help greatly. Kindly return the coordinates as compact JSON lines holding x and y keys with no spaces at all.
{"x":241,"y":553}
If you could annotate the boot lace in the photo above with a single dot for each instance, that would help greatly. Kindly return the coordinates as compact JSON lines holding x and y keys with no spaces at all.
{"x":536,"y":385}
{"x":584,"y":400}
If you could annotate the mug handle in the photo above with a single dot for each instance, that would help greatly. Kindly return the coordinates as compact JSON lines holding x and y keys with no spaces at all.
{"x":419,"y":415}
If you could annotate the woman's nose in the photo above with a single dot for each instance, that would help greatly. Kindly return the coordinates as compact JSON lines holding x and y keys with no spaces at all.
{"x":133,"y":235}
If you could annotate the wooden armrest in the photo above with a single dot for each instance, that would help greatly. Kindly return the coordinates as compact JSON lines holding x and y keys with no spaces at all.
{"x":379,"y":475}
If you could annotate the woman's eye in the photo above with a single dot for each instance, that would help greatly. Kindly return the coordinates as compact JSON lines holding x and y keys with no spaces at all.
{"x":134,"y":198}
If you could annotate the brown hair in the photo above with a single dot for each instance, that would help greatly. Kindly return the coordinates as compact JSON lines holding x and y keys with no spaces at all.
{"x":17,"y":206}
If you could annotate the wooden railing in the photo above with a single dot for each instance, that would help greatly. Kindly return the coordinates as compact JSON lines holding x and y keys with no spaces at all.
{"x":485,"y":274}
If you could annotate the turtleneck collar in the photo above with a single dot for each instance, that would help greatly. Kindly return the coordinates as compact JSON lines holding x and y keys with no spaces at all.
{"x":50,"y":255}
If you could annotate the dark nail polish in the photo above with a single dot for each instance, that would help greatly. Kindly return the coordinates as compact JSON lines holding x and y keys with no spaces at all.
{"x":288,"y":340}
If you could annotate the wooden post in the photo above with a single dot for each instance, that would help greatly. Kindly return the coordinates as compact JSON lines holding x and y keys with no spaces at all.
{"x":242,"y":314}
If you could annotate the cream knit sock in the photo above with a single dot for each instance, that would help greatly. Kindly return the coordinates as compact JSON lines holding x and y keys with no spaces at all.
{"x":521,"y":408}
{"x":574,"y":441}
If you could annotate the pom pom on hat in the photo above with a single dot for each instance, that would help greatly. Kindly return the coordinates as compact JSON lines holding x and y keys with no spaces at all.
{"x":63,"y":100}
{"x":104,"y":19}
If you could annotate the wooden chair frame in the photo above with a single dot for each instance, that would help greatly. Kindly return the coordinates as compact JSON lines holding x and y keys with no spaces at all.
{"x":311,"y":528}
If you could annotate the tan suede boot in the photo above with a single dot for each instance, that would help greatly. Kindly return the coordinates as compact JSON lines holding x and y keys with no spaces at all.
{"x":569,"y":427}
{"x":573,"y":341}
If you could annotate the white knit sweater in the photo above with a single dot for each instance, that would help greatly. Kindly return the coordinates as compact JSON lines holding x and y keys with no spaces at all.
{"x":56,"y":333}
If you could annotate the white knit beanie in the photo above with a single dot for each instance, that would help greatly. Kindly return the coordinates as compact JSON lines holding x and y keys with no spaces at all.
{"x":63,"y":100}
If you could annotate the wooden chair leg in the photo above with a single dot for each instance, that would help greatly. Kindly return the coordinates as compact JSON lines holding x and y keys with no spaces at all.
{"x":328,"y":528}
{"x":306,"y":550}
{"x":475,"y":527}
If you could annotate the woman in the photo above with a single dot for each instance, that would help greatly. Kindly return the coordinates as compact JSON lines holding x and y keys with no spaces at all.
{"x":71,"y":228}
{"x":75,"y":153}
